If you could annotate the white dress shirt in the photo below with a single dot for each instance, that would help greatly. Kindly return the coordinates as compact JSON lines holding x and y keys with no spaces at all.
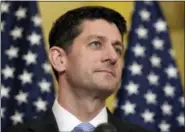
{"x":67,"y":121}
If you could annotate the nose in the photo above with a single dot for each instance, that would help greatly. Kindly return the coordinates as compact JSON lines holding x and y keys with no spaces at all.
{"x":110,"y":55}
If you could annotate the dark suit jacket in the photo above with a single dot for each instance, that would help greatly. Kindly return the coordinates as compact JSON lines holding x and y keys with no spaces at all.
{"x":47,"y":123}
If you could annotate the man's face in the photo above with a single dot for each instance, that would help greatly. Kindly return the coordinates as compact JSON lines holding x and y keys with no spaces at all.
{"x":95,"y":60}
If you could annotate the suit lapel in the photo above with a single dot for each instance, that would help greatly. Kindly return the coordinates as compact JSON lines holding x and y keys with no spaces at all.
{"x":45,"y":123}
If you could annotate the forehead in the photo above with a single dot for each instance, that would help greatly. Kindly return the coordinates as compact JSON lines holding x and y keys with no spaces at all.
{"x":100,"y":27}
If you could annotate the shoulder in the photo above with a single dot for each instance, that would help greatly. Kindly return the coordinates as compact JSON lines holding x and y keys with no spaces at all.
{"x":43,"y":123}
{"x":122,"y":125}
{"x":23,"y":127}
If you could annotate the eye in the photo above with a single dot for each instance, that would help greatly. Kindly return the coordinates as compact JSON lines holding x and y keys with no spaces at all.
{"x":95,"y":44}
{"x":119,"y":51}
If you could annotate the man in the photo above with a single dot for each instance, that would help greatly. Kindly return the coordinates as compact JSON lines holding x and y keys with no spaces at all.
{"x":86,"y":52}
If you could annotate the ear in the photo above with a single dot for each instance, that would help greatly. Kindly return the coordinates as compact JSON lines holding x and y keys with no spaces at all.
{"x":57,"y":58}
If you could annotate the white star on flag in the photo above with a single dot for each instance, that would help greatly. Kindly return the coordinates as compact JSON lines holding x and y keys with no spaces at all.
{"x":138,"y":50}
{"x":132,"y":88}
{"x":8,"y":72}
{"x":171,"y":71}
{"x":34,"y":38}
{"x":16,"y":33}
{"x":12,"y":52}
{"x":160,"y":26}
{"x":172,"y":53}
{"x":153,"y":78}
{"x":142,"y":32}
{"x":148,"y":116}
{"x":21,"y":97}
{"x":47,"y":67}
{"x":166,"y":108}
{"x":36,"y":20}
{"x":164,"y":127}
{"x":20,"y":13}
{"x":155,"y":61}
{"x":135,"y":68}
{"x":145,"y":15}
{"x":150,"y":97}
{"x":25,"y":77}
{"x":128,"y":108}
{"x":4,"y":91}
{"x":158,"y":43}
{"x":17,"y":118}
{"x":40,"y":105}
{"x":181,"y":99}
{"x":30,"y":58}
{"x":180,"y":119}
{"x":5,"y":7}
{"x":169,"y":90}
{"x":44,"y":85}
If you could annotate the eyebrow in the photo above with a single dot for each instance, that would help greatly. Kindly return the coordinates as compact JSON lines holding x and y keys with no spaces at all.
{"x":96,"y":36}
{"x":115,"y":43}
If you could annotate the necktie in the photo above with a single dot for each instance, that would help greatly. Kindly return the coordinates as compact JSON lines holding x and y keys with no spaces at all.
{"x":84,"y":127}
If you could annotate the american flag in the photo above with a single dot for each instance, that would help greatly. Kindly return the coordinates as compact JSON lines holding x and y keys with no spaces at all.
{"x":151,"y":92}
{"x":26,"y":79}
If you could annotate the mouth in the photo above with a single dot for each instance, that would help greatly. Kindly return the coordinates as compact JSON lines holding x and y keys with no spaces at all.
{"x":107,"y":71}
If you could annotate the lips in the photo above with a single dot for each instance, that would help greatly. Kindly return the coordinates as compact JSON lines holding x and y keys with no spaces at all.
{"x":107,"y":71}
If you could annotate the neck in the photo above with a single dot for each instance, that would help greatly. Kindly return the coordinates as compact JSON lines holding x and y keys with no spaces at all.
{"x":85,"y":105}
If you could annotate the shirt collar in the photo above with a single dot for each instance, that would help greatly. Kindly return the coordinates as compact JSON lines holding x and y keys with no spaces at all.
{"x":66,"y":121}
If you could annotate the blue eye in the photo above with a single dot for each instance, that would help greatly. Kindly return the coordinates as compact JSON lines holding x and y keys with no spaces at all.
{"x":119,"y":51}
{"x":95,"y":44}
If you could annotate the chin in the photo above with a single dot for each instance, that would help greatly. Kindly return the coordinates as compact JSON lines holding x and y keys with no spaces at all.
{"x":106,"y":84}
{"x":107,"y":88}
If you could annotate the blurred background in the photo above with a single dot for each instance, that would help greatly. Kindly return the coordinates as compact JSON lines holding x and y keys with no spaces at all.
{"x":173,"y":12}
{"x":153,"y":100}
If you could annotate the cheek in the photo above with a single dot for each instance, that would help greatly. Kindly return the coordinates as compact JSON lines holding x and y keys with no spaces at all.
{"x":120,"y":69}
{"x":83,"y":65}
{"x":93,"y":58}
{"x":90,"y":61}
